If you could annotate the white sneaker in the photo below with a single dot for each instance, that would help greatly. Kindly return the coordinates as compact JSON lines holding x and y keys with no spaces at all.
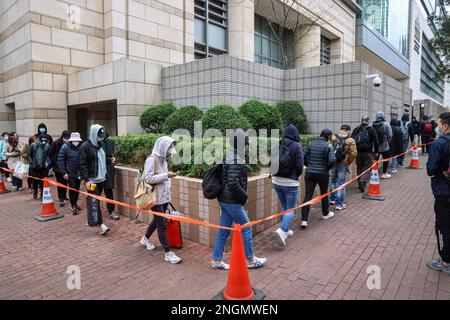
{"x":172,"y":258}
{"x":9,"y":179}
{"x":386,"y":176}
{"x":104,"y":229}
{"x":394,"y":171}
{"x":146,"y":243}
{"x":290,"y":233}
{"x":221,"y":266}
{"x":304,"y":224}
{"x":256,"y":263}
{"x":282,"y":236}
{"x":329,"y":216}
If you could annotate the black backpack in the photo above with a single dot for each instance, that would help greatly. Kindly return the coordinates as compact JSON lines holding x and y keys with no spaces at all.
{"x":362,"y":139}
{"x":381,"y":133}
{"x":212,"y":182}
{"x":339,"y":148}
{"x":284,"y":159}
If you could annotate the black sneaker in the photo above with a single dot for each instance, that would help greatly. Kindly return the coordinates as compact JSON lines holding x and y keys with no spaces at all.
{"x":35,"y":194}
{"x":61,"y":203}
{"x":78,"y":207}
{"x":74,"y":210}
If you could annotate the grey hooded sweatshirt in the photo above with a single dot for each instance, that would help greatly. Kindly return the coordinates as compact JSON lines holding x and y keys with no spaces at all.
{"x":101,"y":156}
{"x":158,"y":175}
{"x":387,"y":128}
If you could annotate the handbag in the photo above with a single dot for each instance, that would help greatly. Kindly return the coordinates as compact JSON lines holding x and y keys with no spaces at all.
{"x":21,"y":170}
{"x":173,"y":230}
{"x":145,"y":193}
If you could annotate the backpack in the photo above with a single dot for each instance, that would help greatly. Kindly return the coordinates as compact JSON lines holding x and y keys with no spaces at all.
{"x":339,"y":148}
{"x":41,"y":162}
{"x":362,"y":139}
{"x":428,"y":127}
{"x":144,"y":193}
{"x":381,"y":133}
{"x":282,"y":155}
{"x":405,"y":130}
{"x":212,"y":182}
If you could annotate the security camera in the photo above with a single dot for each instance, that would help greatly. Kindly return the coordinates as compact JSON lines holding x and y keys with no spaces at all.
{"x":377,"y":82}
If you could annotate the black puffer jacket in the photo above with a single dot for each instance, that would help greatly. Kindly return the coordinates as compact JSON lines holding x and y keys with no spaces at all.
{"x":319,"y":157}
{"x":88,"y":160}
{"x":396,"y":145}
{"x":234,"y":181}
{"x":68,"y":160}
{"x":291,"y":139}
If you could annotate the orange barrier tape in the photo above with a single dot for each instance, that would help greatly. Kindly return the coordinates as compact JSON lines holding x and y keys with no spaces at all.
{"x":198,"y":222}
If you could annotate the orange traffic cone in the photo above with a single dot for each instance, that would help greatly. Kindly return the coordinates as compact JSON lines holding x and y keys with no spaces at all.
{"x":2,"y":185}
{"x":414,"y":164}
{"x":48,"y":210}
{"x":238,"y":284}
{"x":374,"y":192}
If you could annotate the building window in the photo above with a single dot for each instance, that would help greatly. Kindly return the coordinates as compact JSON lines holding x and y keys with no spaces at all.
{"x":390,"y":18}
{"x":325,"y":51}
{"x":430,"y":62}
{"x":211,"y":24}
{"x":269,"y":49}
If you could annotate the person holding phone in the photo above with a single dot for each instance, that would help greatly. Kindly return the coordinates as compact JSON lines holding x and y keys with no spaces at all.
{"x":156,"y":173}
{"x":92,"y":167}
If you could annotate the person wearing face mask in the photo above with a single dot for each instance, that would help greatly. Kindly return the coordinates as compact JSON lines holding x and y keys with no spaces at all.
{"x":42,"y":129}
{"x":439,"y":171}
{"x":54,"y":151}
{"x":3,"y":163}
{"x":110,"y":151}
{"x":156,"y":173}
{"x":92,"y":167}
{"x":68,"y":167}
{"x":37,"y":155}
{"x":13,"y":151}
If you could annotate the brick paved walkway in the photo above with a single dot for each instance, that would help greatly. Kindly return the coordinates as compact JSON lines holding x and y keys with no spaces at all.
{"x":327,"y":261}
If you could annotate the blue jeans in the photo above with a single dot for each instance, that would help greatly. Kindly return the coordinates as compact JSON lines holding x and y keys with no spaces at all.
{"x":288,"y":199}
{"x":338,"y":178}
{"x":232,"y":213}
{"x":394,"y":164}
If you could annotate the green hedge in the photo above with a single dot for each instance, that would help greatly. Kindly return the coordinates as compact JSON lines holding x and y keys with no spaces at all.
{"x":292,"y":113}
{"x":261,"y":115}
{"x":133,"y":150}
{"x":223,"y":117}
{"x":183,"y":118}
{"x":153,"y":119}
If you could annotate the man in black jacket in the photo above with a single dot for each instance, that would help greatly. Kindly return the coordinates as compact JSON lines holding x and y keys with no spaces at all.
{"x":367,"y":144}
{"x":319,"y":159}
{"x":54,"y":151}
{"x":92,"y":161}
{"x":232,"y":200}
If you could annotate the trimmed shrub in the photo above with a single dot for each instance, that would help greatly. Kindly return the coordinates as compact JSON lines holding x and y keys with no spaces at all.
{"x":152,"y":119}
{"x":223,"y":117}
{"x":292,"y":113}
{"x":183,"y":118}
{"x":133,"y":150}
{"x":261,"y":115}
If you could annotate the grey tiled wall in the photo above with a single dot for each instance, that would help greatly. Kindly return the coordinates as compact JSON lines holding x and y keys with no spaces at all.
{"x":331,"y":95}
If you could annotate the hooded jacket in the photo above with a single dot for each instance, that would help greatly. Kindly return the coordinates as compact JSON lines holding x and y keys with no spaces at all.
{"x":396,"y":145}
{"x":234,"y":172}
{"x":383,"y":147}
{"x":156,"y":170}
{"x":42,"y":125}
{"x":350,"y":147}
{"x":291,"y":139}
{"x":319,"y":157}
{"x":92,"y":158}
{"x":32,"y":154}
{"x":438,"y":162}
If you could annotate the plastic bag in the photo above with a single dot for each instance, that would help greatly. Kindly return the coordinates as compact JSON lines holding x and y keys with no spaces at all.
{"x":21,"y":170}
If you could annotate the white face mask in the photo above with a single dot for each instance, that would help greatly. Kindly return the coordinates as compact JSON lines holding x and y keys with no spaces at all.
{"x":65,"y":140}
{"x":5,"y":138}
{"x":76,"y":143}
{"x":171,"y":152}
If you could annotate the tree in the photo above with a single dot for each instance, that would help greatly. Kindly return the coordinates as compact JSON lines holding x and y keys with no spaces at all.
{"x":441,"y":43}
{"x":292,"y":15}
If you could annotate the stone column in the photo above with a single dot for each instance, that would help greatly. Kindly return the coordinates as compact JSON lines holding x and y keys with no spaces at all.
{"x":241,"y":29}
{"x":307,"y":47}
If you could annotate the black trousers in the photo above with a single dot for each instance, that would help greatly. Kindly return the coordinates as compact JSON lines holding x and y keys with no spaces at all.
{"x":311,"y":180}
{"x":62,"y":192}
{"x":41,"y":174}
{"x":363,"y":162}
{"x":109,"y":193}
{"x":385,"y":155}
{"x":426,"y":140}
{"x":73,"y":195}
{"x":160,"y":224}
{"x":98,"y":191}
{"x":4,"y":164}
{"x":442,"y":227}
